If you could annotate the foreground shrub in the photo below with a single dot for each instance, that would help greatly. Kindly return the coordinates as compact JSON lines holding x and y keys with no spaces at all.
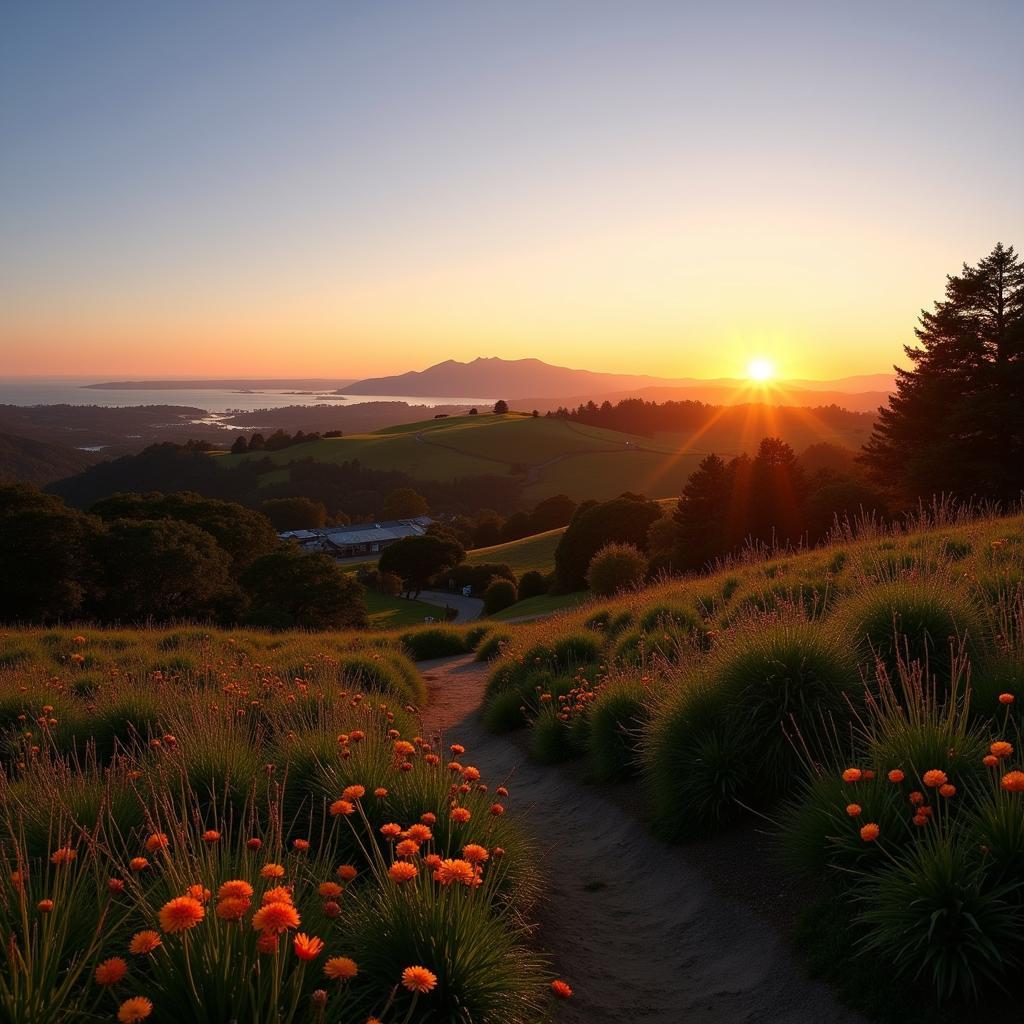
{"x":615,"y":567}
{"x":435,"y":642}
{"x":491,"y":646}
{"x":499,"y":595}
{"x":532,"y":584}
{"x":914,"y":621}
{"x":616,"y":720}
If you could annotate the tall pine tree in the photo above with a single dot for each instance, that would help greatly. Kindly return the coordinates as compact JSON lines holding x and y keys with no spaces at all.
{"x":956,"y":421}
{"x":700,"y":515}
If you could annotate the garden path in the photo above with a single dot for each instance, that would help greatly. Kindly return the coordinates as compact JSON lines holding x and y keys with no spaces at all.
{"x":635,"y":927}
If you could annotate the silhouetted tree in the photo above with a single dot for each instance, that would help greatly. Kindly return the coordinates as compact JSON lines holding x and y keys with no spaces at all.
{"x":501,"y":407}
{"x":956,"y":421}
{"x":551,"y":513}
{"x":292,"y":588}
{"x":404,"y":503}
{"x":294,"y":513}
{"x":701,"y":515}
{"x":416,"y":559}
{"x":778,"y":490}
{"x":240,"y":445}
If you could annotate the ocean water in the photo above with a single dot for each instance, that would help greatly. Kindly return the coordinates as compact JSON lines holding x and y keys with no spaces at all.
{"x":52,"y":391}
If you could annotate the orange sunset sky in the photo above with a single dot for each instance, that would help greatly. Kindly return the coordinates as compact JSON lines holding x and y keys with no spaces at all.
{"x":346,"y":190}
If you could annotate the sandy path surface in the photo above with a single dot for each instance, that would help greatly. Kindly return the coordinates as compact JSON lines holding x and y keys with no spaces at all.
{"x":635,"y":927}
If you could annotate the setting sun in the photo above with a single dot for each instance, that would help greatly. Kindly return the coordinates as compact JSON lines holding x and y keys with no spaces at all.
{"x":760,"y":369}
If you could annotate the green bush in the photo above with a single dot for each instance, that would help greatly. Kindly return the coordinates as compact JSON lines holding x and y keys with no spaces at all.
{"x":364,"y":671}
{"x":671,"y":618}
{"x":615,"y":567}
{"x":499,"y":595}
{"x":549,"y":738}
{"x":490,"y":647}
{"x":914,"y":621}
{"x":435,"y":642}
{"x":504,"y":713}
{"x":532,"y":584}
{"x":616,"y":720}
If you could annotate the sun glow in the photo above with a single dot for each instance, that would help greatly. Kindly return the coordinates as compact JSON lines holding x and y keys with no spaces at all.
{"x":760,"y":369}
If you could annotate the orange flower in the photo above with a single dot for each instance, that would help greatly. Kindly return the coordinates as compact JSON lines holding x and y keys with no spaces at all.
{"x":211,"y":835}
{"x":354,"y":792}
{"x":471,"y":773}
{"x":920,"y":820}
{"x":404,"y":748}
{"x":947,"y":790}
{"x":934,"y":778}
{"x":157,"y":841}
{"x":457,"y":749}
{"x":133,"y":1010}
{"x":232,"y":908}
{"x":852,"y":775}
{"x":275,"y":918}
{"x":329,"y":890}
{"x":346,"y":872}
{"x":1001,"y":749}
{"x":138,"y":864}
{"x":198,"y":892}
{"x":561,"y":989}
{"x":402,"y":871}
{"x":428,"y":818}
{"x":44,"y":906}
{"x":180,"y":914}
{"x":144,"y":942}
{"x":279,"y":894}
{"x":391,"y":830}
{"x":870,"y":832}
{"x":1013,"y":782}
{"x":300,"y":844}
{"x":254,"y":843}
{"x":420,"y":833}
{"x":272,"y":871}
{"x":475,"y":854}
{"x":340,"y":968}
{"x":380,"y":792}
{"x":237,"y":888}
{"x":916,"y":798}
{"x":111,"y":971}
{"x":307,"y":948}
{"x":449,"y":871}
{"x":497,"y":810}
{"x":854,"y":810}
{"x":331,"y":909}
{"x":266,"y":943}
{"x":419,"y":979}
{"x":116,"y":885}
{"x":65,"y":855}
{"x":896,"y":775}
{"x":990,"y":760}
{"x":1006,"y":698}
{"x":461,"y":815}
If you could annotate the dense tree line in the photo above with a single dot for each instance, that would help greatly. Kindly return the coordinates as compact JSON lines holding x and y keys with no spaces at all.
{"x":639,"y":416}
{"x":161,"y":558}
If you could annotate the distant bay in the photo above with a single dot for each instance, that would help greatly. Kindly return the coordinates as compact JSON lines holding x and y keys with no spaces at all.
{"x":60,"y":391}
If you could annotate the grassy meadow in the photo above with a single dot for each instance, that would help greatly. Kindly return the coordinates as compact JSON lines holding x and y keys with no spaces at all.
{"x":211,"y":826}
{"x":859,"y":700}
{"x":560,"y":457}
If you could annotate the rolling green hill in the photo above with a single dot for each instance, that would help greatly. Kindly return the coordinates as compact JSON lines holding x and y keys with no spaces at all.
{"x":556,"y":456}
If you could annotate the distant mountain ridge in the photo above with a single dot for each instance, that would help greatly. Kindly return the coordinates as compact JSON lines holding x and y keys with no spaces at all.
{"x":26,"y":461}
{"x":493,"y":377}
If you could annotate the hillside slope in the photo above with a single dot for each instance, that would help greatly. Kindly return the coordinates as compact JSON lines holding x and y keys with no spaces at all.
{"x":23,"y":460}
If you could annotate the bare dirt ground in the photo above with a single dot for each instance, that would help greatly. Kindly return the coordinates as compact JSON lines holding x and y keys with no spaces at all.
{"x":634,"y":925}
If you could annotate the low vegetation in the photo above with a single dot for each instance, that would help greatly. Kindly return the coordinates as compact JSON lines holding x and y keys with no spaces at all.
{"x":202,"y":826}
{"x":862,"y":696}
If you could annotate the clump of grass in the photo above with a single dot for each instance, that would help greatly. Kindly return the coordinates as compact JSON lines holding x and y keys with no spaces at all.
{"x":435,"y":642}
{"x":490,"y":647}
{"x":615,"y":721}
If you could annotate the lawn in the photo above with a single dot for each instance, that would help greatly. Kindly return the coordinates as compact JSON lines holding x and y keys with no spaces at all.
{"x":388,"y":612}
{"x":545,"y":604}
{"x":529,"y":553}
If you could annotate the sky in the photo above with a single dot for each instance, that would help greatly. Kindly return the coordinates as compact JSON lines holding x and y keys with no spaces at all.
{"x":358,"y":188}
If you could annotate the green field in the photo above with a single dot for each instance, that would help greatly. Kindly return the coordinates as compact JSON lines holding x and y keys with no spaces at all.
{"x":529,"y":553}
{"x":388,"y":612}
{"x":557,"y":456}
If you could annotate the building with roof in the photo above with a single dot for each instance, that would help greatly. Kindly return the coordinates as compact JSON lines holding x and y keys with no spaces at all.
{"x":357,"y":539}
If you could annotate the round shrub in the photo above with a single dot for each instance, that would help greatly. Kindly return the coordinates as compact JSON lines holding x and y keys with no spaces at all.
{"x":475,"y":635}
{"x":549,"y":738}
{"x":671,"y":618}
{"x":572,"y":650}
{"x":616,"y":721}
{"x":913,"y":621}
{"x":532,"y":584}
{"x":598,"y":621}
{"x":615,"y":567}
{"x":434,"y":642}
{"x":491,"y":646}
{"x":504,"y":712}
{"x":364,"y":671}
{"x":499,"y":595}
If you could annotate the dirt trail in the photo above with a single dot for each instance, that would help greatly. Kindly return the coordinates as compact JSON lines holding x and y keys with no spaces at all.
{"x":635,"y":927}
